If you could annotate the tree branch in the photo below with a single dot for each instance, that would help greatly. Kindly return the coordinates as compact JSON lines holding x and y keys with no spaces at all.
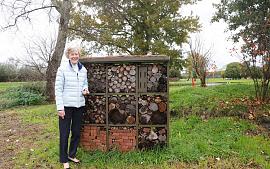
{"x":26,"y":13}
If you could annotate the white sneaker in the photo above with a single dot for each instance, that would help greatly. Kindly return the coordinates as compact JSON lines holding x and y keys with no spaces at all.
{"x":66,"y":165}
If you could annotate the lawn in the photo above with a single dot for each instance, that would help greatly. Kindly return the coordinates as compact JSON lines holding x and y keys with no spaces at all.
{"x":195,"y":142}
{"x":6,"y":85}
{"x":209,"y":81}
{"x":207,"y":98}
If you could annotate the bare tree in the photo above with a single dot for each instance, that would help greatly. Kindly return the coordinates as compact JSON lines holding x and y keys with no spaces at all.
{"x":39,"y":52}
{"x":21,"y":10}
{"x":213,"y":67}
{"x":200,"y":59}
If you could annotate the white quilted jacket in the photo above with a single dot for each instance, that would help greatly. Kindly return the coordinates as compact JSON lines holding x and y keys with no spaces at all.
{"x":69,"y":86}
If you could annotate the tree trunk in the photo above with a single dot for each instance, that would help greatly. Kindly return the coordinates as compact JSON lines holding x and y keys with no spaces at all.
{"x":55,"y":61}
{"x":265,"y":90}
{"x":203,"y":82}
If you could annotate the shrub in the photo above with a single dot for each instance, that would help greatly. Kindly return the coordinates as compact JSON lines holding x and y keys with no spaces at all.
{"x":7,"y":72}
{"x":11,"y":73}
{"x":174,"y":73}
{"x":29,"y":74}
{"x":26,"y":94}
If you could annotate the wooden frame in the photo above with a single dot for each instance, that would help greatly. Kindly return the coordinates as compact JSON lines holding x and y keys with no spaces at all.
{"x":138,"y":61}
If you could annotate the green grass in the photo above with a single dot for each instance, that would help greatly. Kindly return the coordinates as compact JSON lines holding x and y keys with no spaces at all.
{"x":6,"y":85}
{"x":181,"y":82}
{"x":184,"y":82}
{"x":221,"y":80}
{"x":193,"y":143}
{"x":197,"y":99}
{"x":21,"y":93}
{"x":44,"y":152}
{"x":192,"y":140}
{"x":3,"y":87}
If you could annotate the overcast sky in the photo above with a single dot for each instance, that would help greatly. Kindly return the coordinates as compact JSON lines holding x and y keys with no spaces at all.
{"x":213,"y":34}
{"x":12,"y":41}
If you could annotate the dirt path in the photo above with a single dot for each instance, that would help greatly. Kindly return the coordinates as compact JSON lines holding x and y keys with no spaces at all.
{"x":14,"y":137}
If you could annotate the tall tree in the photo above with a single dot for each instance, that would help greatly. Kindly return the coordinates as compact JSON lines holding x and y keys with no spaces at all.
{"x":249,"y":22}
{"x":233,"y":70}
{"x":200,"y":59}
{"x":21,"y":10}
{"x":135,"y":27}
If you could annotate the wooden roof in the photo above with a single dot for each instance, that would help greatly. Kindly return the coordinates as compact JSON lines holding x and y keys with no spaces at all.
{"x":126,"y":58}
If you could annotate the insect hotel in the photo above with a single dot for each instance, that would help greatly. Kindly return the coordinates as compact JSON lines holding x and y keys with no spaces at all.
{"x":128,"y":105}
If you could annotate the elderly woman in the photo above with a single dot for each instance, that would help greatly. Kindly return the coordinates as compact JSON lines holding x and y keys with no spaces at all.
{"x":70,"y":86}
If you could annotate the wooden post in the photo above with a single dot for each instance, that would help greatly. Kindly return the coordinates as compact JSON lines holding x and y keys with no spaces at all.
{"x":193,"y":82}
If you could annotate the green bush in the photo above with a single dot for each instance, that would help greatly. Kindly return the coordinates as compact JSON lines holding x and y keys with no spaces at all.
{"x":26,"y":94}
{"x":174,"y":73}
{"x":34,"y":87}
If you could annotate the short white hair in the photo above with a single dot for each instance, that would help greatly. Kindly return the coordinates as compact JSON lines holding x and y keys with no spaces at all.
{"x":71,"y":50}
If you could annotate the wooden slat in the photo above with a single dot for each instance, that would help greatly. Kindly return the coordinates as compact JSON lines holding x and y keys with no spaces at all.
{"x":126,"y":58}
{"x":142,"y":79}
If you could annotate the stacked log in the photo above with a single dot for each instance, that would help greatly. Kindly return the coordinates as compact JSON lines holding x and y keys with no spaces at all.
{"x":151,"y":137}
{"x":96,"y":78}
{"x":122,"y":109}
{"x":93,"y":138}
{"x":122,"y":138}
{"x":95,"y":110}
{"x":152,"y":109}
{"x":157,"y":78}
{"x":122,"y":79}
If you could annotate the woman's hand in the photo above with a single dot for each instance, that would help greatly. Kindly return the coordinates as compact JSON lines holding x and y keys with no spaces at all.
{"x":85,"y":92}
{"x":61,"y":113}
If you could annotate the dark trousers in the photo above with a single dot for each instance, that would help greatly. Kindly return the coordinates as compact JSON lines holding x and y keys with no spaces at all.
{"x":73,"y":119}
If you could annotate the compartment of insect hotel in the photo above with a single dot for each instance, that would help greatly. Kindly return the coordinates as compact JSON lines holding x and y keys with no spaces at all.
{"x":93,"y":138}
{"x":150,"y":137}
{"x":95,"y":110}
{"x":122,"y":78}
{"x":127,"y":108}
{"x":156,"y":78}
{"x":122,"y":138}
{"x":152,"y":109}
{"x":96,"y":77}
{"x":122,"y":109}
